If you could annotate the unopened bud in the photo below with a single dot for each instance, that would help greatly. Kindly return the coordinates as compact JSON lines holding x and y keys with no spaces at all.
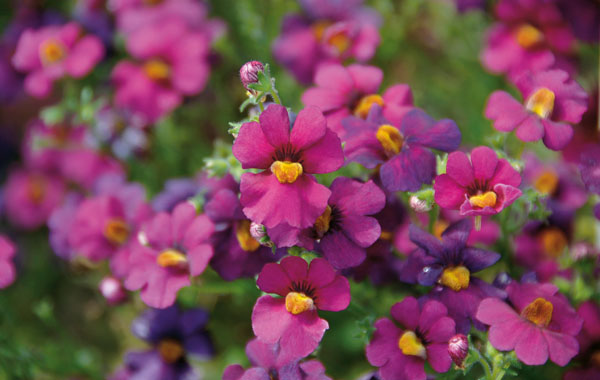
{"x":419,"y":205}
{"x":257,"y":231}
{"x":112,"y":289}
{"x":458,"y":348}
{"x":249,"y":73}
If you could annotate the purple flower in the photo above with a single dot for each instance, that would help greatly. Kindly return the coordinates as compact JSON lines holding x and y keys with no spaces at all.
{"x":8,"y":272}
{"x":551,"y":100}
{"x":589,"y":166}
{"x":423,"y":335}
{"x":539,"y":323}
{"x":399,"y":146}
{"x":483,"y":185}
{"x":60,"y":223}
{"x":285,"y":191}
{"x":449,"y":264}
{"x":292,"y":320}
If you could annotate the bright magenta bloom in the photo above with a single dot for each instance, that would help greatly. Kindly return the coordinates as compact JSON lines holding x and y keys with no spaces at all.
{"x":173,"y":247}
{"x":53,"y":52}
{"x":483,"y":185}
{"x":551,"y":100}
{"x":285,"y":192}
{"x":292,"y":320}
{"x":7,"y":267}
{"x":171,"y":63}
{"x":538,"y":324}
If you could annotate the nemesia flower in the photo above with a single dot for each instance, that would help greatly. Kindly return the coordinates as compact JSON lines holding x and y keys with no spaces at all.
{"x":237,"y":253}
{"x":265,"y":366}
{"x":60,"y":223}
{"x":467,"y":5}
{"x":7,"y":267}
{"x":539,"y":323}
{"x":449,"y":265}
{"x":488,"y":234}
{"x":399,"y":146}
{"x":93,"y":15}
{"x":583,"y":17}
{"x":526,"y":38}
{"x":292,"y":320}
{"x":423,"y":335}
{"x":483,"y":185}
{"x":589,"y":166}
{"x":175,"y":336}
{"x":551,"y":100}
{"x":174,"y":247}
{"x":171,"y":62}
{"x":30,"y":197}
{"x":122,"y":132}
{"x":343,"y":91}
{"x":586,"y":133}
{"x":588,"y":338}
{"x":52,"y":52}
{"x":84,"y":166}
{"x":286,"y":192}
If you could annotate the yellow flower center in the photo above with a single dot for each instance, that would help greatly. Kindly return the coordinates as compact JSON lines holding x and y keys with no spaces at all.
{"x":386,"y":235}
{"x":554,"y":241}
{"x":318,"y":28}
{"x":538,"y":312}
{"x":52,"y":50}
{"x":528,"y":35}
{"x":116,"y":231}
{"x":286,"y":171}
{"x":487,"y":199}
{"x":364,"y":105}
{"x":340,"y":41}
{"x":170,"y":350}
{"x":390,"y":139}
{"x":410,"y":344}
{"x":244,"y":238}
{"x":297,"y":303}
{"x":172,"y":258}
{"x":541,"y":102}
{"x":36,"y":189}
{"x":547,"y":182}
{"x":157,"y":70}
{"x":323,"y":221}
{"x":455,"y":278}
{"x":439,"y":227}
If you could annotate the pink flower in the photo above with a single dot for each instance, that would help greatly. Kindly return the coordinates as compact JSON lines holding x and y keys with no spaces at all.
{"x":345,"y":91}
{"x":400,"y":353}
{"x":483,"y":185}
{"x":292,"y":320}
{"x":171,"y":62}
{"x":53,"y":52}
{"x":551,"y":100}
{"x":7,"y":267}
{"x":175,"y":247}
{"x":31,"y":196}
{"x":286,"y":192}
{"x":538,"y":324}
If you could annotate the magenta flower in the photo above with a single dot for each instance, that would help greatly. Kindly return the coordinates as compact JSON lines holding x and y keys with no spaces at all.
{"x":52,"y":52}
{"x":7,"y":266}
{"x":399,"y":146}
{"x":423,"y":335}
{"x":174,"y":247}
{"x":483,"y":185}
{"x":539,"y":323}
{"x":31,"y":196}
{"x":171,"y":62}
{"x":266,"y":366}
{"x":292,"y":320}
{"x":551,"y":100}
{"x":285,"y":192}
{"x":345,"y":91}
{"x":526,"y":37}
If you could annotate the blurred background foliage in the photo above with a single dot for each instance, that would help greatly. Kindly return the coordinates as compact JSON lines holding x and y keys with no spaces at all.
{"x":54,"y":324}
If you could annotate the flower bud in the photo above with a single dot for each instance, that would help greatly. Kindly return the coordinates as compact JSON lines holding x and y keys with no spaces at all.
{"x":112,"y":289}
{"x":419,"y":205}
{"x":257,"y":231}
{"x":458,"y":348}
{"x":249,"y":73}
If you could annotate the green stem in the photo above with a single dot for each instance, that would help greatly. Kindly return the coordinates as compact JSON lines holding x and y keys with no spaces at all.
{"x":262,"y":107}
{"x":275,"y":96}
{"x":486,"y":366}
{"x":433,"y":215}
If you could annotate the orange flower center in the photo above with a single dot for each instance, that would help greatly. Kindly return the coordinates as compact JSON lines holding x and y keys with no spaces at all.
{"x":157,"y":70}
{"x":170,"y":350}
{"x":36,"y":189}
{"x":340,"y":41}
{"x":116,"y":231}
{"x":364,"y":105}
{"x":546,"y":183}
{"x":318,"y":28}
{"x":528,"y":36}
{"x":244,"y":238}
{"x":322,"y":223}
{"x":286,"y":171}
{"x":52,"y":50}
{"x":554,"y":241}
{"x":456,"y":278}
{"x":390,"y":139}
{"x":297,"y":303}
{"x":541,"y":102}
{"x":386,"y":235}
{"x":487,"y":199}
{"x":439,"y":227}
{"x":172,"y":258}
{"x":538,"y":312}
{"x":410,"y":344}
